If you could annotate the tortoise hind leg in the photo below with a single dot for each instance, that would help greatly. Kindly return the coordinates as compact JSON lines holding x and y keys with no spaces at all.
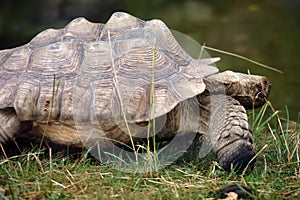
{"x":230,"y":133}
{"x":10,"y":125}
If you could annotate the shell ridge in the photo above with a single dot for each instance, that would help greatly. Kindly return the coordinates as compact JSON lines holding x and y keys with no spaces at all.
{"x":7,"y":55}
{"x":46,"y":37}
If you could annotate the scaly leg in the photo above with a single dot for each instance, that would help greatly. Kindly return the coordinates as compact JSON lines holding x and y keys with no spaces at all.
{"x":228,"y":131}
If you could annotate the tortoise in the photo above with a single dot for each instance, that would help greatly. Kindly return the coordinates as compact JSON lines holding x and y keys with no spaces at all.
{"x":92,"y":84}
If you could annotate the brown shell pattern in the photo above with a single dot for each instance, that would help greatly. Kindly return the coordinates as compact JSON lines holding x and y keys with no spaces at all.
{"x":100,"y":70}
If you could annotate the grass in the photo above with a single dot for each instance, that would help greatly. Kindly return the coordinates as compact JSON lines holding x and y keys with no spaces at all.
{"x":39,"y":174}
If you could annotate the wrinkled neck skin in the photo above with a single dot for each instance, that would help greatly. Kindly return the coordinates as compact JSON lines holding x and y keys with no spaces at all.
{"x":250,"y":90}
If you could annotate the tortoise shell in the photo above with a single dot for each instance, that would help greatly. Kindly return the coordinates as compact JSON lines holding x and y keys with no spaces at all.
{"x":98,"y":80}
{"x":115,"y":67}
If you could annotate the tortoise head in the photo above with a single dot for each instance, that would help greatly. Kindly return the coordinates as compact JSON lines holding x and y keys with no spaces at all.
{"x":250,"y":90}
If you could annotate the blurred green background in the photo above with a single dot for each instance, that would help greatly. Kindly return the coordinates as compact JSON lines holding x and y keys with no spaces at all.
{"x":267,"y":31}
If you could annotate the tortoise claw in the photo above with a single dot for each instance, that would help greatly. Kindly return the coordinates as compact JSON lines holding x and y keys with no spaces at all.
{"x":236,"y":156}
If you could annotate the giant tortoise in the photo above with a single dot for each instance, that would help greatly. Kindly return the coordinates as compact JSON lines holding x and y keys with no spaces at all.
{"x":119,"y":83}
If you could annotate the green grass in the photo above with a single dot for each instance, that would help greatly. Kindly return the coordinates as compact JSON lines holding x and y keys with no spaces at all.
{"x":37,"y":174}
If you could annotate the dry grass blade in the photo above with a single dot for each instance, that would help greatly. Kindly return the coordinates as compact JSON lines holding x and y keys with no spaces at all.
{"x":116,"y":83}
{"x":55,"y":87}
{"x":257,"y":154}
{"x":152,"y":108}
{"x":244,"y":58}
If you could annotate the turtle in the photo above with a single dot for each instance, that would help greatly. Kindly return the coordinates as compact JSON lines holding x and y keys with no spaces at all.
{"x":93,"y":84}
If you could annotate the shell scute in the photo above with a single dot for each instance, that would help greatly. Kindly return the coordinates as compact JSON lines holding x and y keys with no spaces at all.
{"x":18,"y":60}
{"x":57,"y":58}
{"x":46,"y":37}
{"x":82,"y":30}
{"x":26,"y":99}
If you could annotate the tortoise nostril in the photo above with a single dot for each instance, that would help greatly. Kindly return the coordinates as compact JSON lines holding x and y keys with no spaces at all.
{"x":266,"y":82}
{"x":266,"y":86}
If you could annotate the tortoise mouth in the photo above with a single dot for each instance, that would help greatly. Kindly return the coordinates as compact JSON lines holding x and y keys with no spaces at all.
{"x":249,"y":103}
{"x":260,"y":98}
{"x":263,"y":91}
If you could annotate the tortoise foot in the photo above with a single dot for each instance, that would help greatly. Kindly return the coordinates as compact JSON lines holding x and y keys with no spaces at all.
{"x":236,"y":156}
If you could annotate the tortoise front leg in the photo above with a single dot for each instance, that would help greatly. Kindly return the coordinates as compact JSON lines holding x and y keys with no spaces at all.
{"x":10,"y":125}
{"x":229,"y":132}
